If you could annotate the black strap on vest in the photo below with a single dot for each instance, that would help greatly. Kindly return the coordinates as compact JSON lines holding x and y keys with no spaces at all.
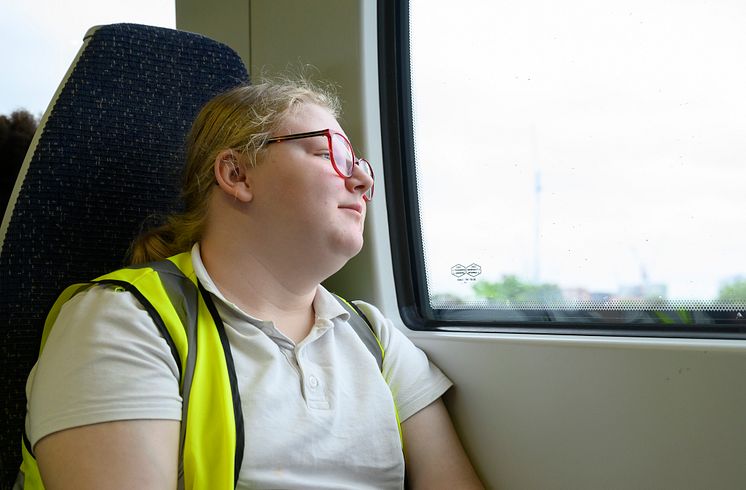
{"x":178,"y":297}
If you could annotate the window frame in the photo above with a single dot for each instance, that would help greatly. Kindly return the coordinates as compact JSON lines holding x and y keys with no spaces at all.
{"x":405,"y":227}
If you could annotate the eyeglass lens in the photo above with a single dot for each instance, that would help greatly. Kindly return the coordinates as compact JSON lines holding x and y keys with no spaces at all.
{"x":365,"y":166}
{"x":343,"y":160}
{"x":342,"y":154}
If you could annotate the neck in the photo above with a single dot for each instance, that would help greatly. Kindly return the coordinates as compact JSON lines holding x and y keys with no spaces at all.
{"x":265,"y":287}
{"x":256,"y":284}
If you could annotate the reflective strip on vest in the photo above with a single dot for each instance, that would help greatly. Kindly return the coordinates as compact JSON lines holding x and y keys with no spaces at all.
{"x":211,"y":411}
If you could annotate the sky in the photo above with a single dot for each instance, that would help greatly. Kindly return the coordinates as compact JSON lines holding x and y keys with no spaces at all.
{"x":630,"y":115}
{"x":40,"y":39}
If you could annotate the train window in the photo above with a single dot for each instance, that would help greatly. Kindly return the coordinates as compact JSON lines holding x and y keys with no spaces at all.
{"x":41,"y":39}
{"x":573,"y":167}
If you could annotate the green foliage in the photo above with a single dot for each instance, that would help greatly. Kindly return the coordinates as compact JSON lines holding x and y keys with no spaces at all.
{"x":734,"y":292}
{"x":514,"y":290}
{"x":16,"y":133}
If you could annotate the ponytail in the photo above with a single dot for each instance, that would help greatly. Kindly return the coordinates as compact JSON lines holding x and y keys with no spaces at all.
{"x":175,"y":236}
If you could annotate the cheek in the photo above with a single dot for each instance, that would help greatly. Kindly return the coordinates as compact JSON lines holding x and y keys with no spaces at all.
{"x":310,"y":189}
{"x":313,"y":199}
{"x":326,"y":186}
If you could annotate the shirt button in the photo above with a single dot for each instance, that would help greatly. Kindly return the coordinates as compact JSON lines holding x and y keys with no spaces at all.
{"x":313,"y":381}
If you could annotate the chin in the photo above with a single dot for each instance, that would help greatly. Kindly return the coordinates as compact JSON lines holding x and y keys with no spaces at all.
{"x":349,"y":246}
{"x":355,"y":249}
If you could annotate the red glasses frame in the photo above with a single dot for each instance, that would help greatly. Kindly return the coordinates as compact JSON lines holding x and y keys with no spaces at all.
{"x":345,"y":170}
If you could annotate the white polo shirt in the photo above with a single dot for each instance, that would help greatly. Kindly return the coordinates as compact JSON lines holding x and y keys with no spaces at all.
{"x":317,"y":414}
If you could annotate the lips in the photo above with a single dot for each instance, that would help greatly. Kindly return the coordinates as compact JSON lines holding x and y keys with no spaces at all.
{"x":354,"y":206}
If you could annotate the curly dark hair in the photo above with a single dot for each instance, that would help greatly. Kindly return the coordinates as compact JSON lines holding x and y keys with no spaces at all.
{"x":16,"y":133}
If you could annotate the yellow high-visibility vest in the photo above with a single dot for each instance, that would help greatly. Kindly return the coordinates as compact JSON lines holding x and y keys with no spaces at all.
{"x":212,"y":432}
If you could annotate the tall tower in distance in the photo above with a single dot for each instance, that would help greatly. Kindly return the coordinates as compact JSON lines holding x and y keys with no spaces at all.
{"x":534,"y":151}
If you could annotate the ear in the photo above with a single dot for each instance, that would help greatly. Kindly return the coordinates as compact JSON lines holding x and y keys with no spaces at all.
{"x":231,"y":176}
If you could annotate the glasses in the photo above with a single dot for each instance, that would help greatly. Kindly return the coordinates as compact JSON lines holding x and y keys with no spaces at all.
{"x":340,"y":153}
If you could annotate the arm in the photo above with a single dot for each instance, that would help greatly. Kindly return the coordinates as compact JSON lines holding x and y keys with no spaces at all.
{"x":122,"y":375}
{"x":434,"y":455}
{"x":139,"y":454}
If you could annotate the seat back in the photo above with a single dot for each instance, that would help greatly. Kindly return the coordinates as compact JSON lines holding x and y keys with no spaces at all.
{"x":107,"y":155}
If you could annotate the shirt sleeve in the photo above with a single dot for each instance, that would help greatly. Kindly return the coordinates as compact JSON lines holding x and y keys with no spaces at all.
{"x":414,"y":381}
{"x":104,"y":360}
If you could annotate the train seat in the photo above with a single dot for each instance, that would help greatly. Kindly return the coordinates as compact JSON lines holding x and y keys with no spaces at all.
{"x":106,"y":156}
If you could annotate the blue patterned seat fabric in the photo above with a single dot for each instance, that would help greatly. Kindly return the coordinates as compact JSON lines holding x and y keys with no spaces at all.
{"x":109,"y":156}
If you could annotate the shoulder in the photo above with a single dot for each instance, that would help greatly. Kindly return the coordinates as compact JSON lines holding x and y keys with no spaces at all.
{"x":101,"y":300}
{"x":397,"y":346}
{"x":382,"y":326}
{"x":417,"y":381}
{"x":369,"y":309}
{"x":101,"y":314}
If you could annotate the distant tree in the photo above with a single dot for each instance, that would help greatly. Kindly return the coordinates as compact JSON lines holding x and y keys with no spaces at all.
{"x":16,"y":133}
{"x":733,"y":292}
{"x":514,"y":290}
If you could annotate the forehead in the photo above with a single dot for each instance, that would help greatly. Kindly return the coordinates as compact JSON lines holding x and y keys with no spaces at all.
{"x":310,"y":117}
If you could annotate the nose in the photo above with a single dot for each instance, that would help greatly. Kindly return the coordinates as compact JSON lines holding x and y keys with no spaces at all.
{"x":361,"y":181}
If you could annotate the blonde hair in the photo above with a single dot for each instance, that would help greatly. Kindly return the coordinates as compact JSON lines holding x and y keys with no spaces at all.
{"x":241,"y":119}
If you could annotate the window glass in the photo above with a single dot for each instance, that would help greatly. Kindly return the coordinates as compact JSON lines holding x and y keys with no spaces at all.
{"x":40,"y":39}
{"x":581,"y":161}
